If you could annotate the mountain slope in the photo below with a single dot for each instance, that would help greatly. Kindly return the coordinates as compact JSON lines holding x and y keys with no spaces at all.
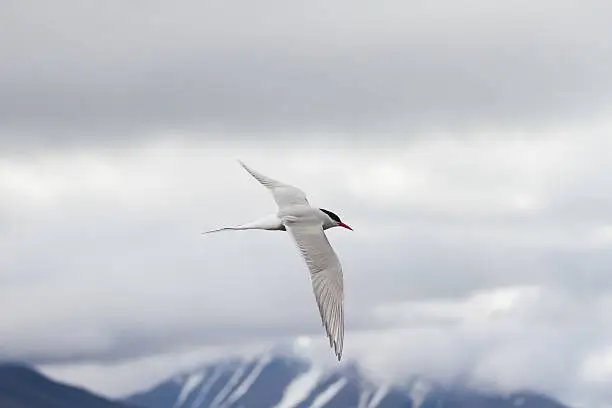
{"x":284,"y":381}
{"x":23,"y":387}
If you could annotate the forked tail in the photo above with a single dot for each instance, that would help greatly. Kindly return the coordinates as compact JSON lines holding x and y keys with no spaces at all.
{"x":269,"y":223}
{"x":225,"y":229}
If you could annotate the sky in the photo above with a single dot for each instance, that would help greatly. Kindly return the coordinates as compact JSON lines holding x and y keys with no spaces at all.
{"x":466,"y":142}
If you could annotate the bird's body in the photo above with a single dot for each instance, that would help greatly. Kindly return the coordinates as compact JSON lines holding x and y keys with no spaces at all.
{"x":306,"y":224}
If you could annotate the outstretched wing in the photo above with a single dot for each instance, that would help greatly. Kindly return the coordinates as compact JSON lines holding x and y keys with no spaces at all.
{"x":284,"y":195}
{"x":325,"y":274}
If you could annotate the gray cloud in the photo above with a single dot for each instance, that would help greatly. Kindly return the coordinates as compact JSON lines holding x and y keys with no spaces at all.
{"x":118,"y":70}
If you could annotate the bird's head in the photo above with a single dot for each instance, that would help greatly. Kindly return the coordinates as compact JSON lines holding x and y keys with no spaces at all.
{"x":334,"y":220}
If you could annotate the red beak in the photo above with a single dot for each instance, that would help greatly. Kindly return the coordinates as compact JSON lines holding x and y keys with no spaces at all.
{"x":345,"y":226}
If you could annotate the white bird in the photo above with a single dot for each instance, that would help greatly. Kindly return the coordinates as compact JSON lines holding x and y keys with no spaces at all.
{"x":306,"y":225}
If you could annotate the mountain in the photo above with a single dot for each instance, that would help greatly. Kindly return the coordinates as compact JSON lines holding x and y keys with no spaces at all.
{"x":287,"y":381}
{"x":23,"y":387}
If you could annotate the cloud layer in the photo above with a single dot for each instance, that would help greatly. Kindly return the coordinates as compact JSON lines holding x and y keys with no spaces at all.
{"x":280,"y":69}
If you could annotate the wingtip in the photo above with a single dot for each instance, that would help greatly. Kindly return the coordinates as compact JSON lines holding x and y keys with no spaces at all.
{"x":214,"y":230}
{"x":338,"y":351}
{"x":244,"y":166}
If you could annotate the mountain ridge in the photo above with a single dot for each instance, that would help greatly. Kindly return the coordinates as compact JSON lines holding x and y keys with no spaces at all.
{"x":22,"y":386}
{"x":285,"y":380}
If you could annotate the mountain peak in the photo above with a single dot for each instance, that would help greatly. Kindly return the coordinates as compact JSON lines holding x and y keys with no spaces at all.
{"x":23,"y":386}
{"x":283,"y":377}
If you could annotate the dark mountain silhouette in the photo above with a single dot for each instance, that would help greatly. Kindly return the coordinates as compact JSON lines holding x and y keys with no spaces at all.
{"x":23,"y":387}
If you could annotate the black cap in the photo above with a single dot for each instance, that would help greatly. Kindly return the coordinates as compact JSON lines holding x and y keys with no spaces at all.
{"x":332,"y":215}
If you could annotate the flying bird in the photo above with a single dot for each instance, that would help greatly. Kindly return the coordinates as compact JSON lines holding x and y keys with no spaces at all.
{"x":306,"y":226}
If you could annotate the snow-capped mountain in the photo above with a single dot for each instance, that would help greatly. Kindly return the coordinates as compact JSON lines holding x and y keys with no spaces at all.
{"x":280,"y":380}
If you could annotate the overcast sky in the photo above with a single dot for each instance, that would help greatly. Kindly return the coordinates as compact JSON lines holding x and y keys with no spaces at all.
{"x":466,"y":142}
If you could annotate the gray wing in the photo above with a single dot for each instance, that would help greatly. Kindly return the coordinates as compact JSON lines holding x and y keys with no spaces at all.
{"x":284,"y":195}
{"x":325,"y":274}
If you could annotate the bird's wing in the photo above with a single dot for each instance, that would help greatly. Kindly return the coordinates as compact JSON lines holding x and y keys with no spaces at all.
{"x":325,"y":274}
{"x":284,"y":195}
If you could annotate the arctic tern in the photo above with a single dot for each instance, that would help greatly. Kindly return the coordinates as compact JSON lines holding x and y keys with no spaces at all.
{"x":306,"y":226}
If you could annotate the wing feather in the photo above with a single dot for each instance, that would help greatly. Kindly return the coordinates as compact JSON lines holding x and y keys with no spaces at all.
{"x":284,"y":195}
{"x":326,"y":277}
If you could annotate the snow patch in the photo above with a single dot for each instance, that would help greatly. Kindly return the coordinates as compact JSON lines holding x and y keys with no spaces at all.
{"x":328,"y":394}
{"x":300,"y":388}
{"x":189,"y":385}
{"x":418,"y":392}
{"x":379,"y":395}
{"x":206,"y":387}
{"x":229,"y":386}
{"x":249,"y":380}
{"x":364,"y":397}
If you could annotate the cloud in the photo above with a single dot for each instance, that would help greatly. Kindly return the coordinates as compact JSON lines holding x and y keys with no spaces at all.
{"x":492,"y":336}
{"x":104,"y":73}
